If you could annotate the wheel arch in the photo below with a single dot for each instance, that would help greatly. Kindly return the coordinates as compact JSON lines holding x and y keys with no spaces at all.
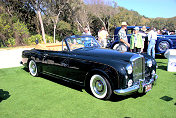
{"x":164,"y":39}
{"x":38,"y":67}
{"x":114,"y":43}
{"x":102,"y":73}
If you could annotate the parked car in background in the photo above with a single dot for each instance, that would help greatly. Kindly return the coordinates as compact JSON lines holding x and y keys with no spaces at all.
{"x":80,"y":59}
{"x":163,"y":42}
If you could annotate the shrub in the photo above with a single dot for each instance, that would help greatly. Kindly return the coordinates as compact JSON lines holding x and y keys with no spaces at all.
{"x":32,"y":40}
{"x":21,"y":32}
{"x":11,"y":42}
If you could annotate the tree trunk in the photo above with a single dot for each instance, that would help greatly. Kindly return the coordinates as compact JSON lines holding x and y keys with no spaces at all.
{"x":54,"y":33}
{"x":41,"y":24}
{"x":102,"y":22}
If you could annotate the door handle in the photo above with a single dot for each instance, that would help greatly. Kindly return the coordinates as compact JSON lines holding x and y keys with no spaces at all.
{"x":45,"y":55}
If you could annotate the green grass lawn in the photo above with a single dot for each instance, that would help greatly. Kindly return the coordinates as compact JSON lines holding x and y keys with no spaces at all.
{"x":24,"y":96}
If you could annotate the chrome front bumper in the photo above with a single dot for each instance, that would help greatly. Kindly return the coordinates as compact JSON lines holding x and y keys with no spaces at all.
{"x":140,"y":88}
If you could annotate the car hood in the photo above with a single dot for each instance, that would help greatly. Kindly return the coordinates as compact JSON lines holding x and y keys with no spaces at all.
{"x":104,"y":53}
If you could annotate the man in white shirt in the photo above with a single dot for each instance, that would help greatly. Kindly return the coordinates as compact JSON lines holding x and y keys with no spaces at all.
{"x":144,"y":35}
{"x":102,"y":36}
{"x":152,"y":37}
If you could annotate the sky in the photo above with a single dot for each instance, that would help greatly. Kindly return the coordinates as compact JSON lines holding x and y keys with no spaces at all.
{"x":150,"y":8}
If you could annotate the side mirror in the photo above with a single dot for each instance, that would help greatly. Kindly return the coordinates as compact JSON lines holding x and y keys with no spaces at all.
{"x":65,"y":48}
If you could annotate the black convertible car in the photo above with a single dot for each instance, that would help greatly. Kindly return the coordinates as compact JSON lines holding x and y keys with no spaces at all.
{"x":81,"y":60}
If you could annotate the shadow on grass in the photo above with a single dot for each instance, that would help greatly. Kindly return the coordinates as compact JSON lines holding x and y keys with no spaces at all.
{"x":59,"y":81}
{"x":166,"y":98}
{"x":117,"y":98}
{"x":159,"y":56}
{"x":162,"y":66}
{"x":63,"y":82}
{"x":4,"y":95}
{"x":114,"y":98}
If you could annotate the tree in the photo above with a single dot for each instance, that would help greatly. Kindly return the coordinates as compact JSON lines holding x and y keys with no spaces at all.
{"x":79,"y":14}
{"x":37,"y":4}
{"x":103,"y":10}
{"x":22,"y":10}
{"x":54,"y":10}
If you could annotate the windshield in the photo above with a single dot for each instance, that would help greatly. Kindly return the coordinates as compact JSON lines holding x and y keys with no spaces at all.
{"x":82,"y":42}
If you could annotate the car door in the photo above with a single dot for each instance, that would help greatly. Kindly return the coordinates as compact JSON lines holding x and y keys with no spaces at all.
{"x":65,"y":65}
{"x":77,"y":68}
{"x":56,"y":63}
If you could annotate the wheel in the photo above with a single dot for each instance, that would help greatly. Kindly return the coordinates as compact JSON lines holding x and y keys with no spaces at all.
{"x":100,"y":87}
{"x":33,"y":68}
{"x":163,"y":46}
{"x":116,"y":47}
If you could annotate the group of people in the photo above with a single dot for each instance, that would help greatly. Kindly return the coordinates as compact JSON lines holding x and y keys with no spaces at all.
{"x":136,"y":41}
{"x":102,"y":36}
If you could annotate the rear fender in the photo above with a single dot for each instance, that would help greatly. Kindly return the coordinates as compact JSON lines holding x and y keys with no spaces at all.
{"x":113,"y":44}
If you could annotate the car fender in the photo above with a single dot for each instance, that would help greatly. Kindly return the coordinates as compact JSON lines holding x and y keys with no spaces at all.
{"x":101,"y":72}
{"x":165,"y":39}
{"x":113,"y":44}
{"x":115,"y":75}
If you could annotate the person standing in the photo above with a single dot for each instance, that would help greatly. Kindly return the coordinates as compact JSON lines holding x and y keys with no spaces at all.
{"x":86,"y":32}
{"x":164,"y":31}
{"x":144,"y":35}
{"x":136,"y":43}
{"x":152,"y":37}
{"x":102,"y":36}
{"x":123,"y":44}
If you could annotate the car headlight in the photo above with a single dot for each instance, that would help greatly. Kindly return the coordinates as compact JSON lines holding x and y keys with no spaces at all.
{"x":130,"y":83}
{"x":149,"y":63}
{"x":153,"y":72}
{"x":129,"y":68}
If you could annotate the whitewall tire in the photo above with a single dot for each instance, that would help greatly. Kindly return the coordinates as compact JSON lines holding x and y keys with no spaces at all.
{"x":33,"y":68}
{"x":100,"y":87}
{"x":116,"y":47}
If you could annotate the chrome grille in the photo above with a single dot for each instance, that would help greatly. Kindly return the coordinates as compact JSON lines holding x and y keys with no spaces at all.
{"x":138,"y":63}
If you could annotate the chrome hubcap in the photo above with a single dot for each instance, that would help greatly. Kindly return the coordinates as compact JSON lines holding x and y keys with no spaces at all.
{"x":164,"y":45}
{"x":32,"y":68}
{"x":99,"y":85}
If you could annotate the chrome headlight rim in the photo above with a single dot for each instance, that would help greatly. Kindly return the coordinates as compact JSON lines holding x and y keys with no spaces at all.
{"x":153,"y":73}
{"x":149,"y":63}
{"x":130,"y":83}
{"x":129,"y":69}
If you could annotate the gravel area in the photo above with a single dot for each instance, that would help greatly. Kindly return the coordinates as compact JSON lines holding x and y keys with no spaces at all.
{"x":11,"y":58}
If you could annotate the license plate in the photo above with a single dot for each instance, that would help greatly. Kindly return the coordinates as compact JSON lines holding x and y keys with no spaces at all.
{"x":148,"y":87}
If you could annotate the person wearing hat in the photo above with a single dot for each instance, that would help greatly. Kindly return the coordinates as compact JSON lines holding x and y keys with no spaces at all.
{"x":123,"y":45}
{"x":144,"y":35}
{"x":136,"y":43}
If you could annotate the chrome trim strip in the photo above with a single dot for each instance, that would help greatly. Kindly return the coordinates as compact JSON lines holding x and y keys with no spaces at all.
{"x":65,"y":78}
{"x":134,"y":57}
{"x":137,"y":88}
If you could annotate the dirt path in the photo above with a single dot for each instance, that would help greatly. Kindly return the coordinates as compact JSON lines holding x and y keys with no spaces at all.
{"x":11,"y":58}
